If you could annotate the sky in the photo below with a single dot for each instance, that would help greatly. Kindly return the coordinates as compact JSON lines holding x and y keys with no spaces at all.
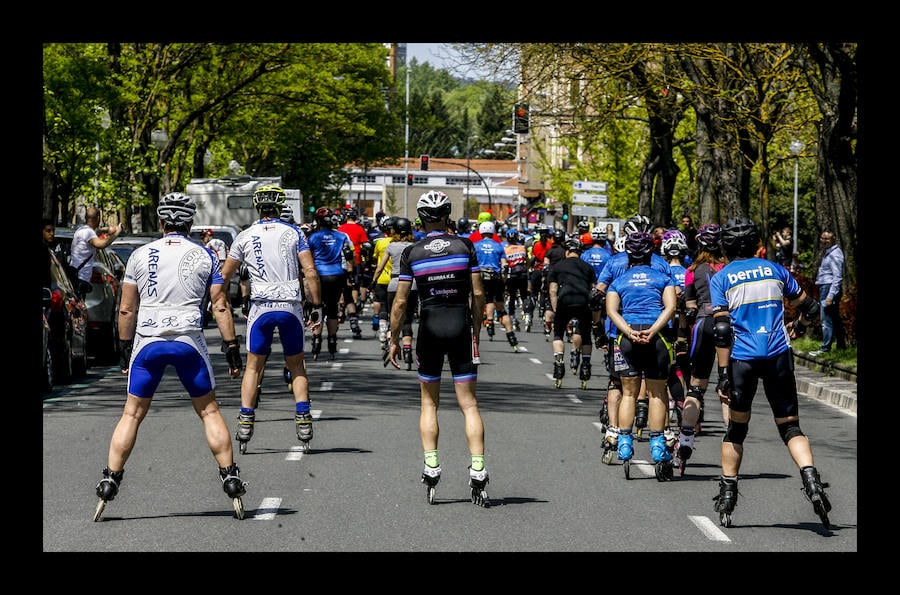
{"x":441,"y":56}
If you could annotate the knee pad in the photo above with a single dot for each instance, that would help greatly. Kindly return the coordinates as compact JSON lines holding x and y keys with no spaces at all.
{"x":614,"y":385}
{"x":789,"y":429}
{"x":696,"y":392}
{"x":736,"y":432}
{"x":501,"y":313}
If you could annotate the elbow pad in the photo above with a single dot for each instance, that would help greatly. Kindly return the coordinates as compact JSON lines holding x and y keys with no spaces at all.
{"x":809,"y":308}
{"x":722,"y":331}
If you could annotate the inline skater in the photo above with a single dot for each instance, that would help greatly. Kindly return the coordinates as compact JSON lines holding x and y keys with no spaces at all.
{"x":403,"y":237}
{"x":516,"y":273}
{"x":674,"y":249}
{"x":641,"y":302}
{"x":492,"y":261}
{"x":753,"y":346}
{"x":352,"y":297}
{"x":536,"y":289}
{"x":161,"y":320}
{"x":445,"y":269}
{"x":381,"y":277}
{"x":276,"y":302}
{"x":596,"y":255}
{"x":570,"y":282}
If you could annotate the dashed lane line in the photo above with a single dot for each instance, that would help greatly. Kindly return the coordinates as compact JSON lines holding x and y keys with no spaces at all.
{"x":268,"y":509}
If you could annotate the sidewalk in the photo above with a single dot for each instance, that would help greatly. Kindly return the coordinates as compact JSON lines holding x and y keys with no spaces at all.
{"x":838,"y":389}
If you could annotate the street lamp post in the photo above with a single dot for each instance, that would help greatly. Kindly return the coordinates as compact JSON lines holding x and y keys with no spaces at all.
{"x":796,"y":147}
{"x":468,"y":168}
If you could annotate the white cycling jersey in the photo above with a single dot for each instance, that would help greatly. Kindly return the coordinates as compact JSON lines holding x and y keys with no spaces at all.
{"x":219,"y":248}
{"x":272,"y":278}
{"x":172,"y":275}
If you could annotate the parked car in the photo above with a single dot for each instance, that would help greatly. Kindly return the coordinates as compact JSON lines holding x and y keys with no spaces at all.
{"x":226,"y":233}
{"x":67,"y":319}
{"x":126,"y":244}
{"x":102,"y":301}
{"x":47,"y":372}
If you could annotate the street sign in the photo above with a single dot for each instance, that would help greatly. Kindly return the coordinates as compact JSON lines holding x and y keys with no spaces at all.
{"x":589,"y":211}
{"x":596,"y":199}
{"x":585,"y":185}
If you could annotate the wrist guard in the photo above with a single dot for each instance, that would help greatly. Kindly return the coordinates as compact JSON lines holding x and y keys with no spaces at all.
{"x":232,"y":351}
{"x":315,"y":313}
{"x":245,"y":305}
{"x":724,"y":385}
{"x":125,"y":348}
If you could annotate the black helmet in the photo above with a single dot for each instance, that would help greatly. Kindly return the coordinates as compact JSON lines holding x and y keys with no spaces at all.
{"x":740,"y":237}
{"x":323,"y":217}
{"x":574,"y":245}
{"x":462,"y":224}
{"x":559,"y":236}
{"x":351,"y":213}
{"x":387,"y":224}
{"x":709,"y":237}
{"x":584,"y":225}
{"x":402,"y":226}
{"x":637,"y":223}
{"x":639,"y":245}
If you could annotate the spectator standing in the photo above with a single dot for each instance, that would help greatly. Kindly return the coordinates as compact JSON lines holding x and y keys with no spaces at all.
{"x":85,"y":243}
{"x":828,"y":282}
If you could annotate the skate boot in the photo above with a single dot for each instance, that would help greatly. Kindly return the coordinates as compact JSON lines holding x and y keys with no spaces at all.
{"x":354,"y":327}
{"x":559,"y":371}
{"x":574,"y":360}
{"x":548,"y":330}
{"x":316,"y":346}
{"x":610,"y":446}
{"x":814,"y":490}
{"x":726,"y":500}
{"x":490,"y":329}
{"x":245,"y":430}
{"x":685,"y":448}
{"x":584,"y":373}
{"x":107,"y":490}
{"x":332,"y":346}
{"x":625,"y":450}
{"x":662,"y":457}
{"x":234,"y":487}
{"x":527,"y":323}
{"x":513,"y":341}
{"x":382,"y":331}
{"x":516,"y":324}
{"x":640,"y":415}
{"x":478,"y":481}
{"x":375,"y":323}
{"x":604,"y":415}
{"x":407,"y":356}
{"x":303,"y":423}
{"x":430,"y":477}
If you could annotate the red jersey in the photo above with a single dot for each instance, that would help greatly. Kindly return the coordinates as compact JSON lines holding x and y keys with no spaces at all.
{"x":357,"y":234}
{"x":538,"y":250}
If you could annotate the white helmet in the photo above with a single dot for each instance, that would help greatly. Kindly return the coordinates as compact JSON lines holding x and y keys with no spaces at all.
{"x":674,"y":243}
{"x":637,"y":223}
{"x":287,"y":214}
{"x":620,"y":244}
{"x":598,"y":234}
{"x":176,"y":208}
{"x":433,"y":206}
{"x":486,"y":227}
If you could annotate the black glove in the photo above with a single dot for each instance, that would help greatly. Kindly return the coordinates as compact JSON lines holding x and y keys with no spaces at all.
{"x":245,"y":305}
{"x":798,"y":328}
{"x":232,"y":351}
{"x":315,"y":313}
{"x":724,"y":385}
{"x":681,"y":345}
{"x":125,"y":348}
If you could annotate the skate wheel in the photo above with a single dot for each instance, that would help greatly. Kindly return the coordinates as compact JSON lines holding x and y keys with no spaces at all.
{"x":607,"y":457}
{"x":583,"y":384}
{"x":101,"y":505}
{"x":238,"y":508}
{"x":627,"y":466}
{"x":558,"y":383}
{"x":824,"y":517}
{"x":304,"y":446}
{"x":242,"y":446}
{"x":725,"y":519}
{"x":429,"y":493}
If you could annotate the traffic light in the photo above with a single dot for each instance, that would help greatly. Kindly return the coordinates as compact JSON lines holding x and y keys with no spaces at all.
{"x":520,"y":118}
{"x":312,"y":208}
{"x":565,"y":215}
{"x":423,"y":162}
{"x":409,"y":179}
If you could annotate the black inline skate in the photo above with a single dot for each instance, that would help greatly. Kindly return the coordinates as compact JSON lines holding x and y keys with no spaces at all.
{"x":332,"y":346}
{"x":641,"y":409}
{"x":107,"y":490}
{"x":726,"y":500}
{"x":814,"y":490}
{"x":559,"y":371}
{"x":574,"y":360}
{"x":685,"y":449}
{"x":245,"y":430}
{"x":431,"y":476}
{"x":316,"y":346}
{"x":478,"y":481}
{"x":584,"y":373}
{"x":354,"y":327}
{"x":303,"y":423}
{"x":513,"y":341}
{"x":234,"y":487}
{"x":489,"y":325}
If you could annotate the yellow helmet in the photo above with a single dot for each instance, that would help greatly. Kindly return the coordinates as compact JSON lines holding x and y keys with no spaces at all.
{"x":484,"y":216}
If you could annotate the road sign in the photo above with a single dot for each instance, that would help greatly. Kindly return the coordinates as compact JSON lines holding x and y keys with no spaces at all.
{"x":585,"y":185}
{"x":583,"y":198}
{"x":589,"y":211}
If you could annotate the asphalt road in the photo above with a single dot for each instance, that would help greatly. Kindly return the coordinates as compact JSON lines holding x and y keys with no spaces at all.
{"x":358,"y":490}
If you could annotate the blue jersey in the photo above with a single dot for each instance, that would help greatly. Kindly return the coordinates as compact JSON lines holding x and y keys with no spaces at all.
{"x":596,"y":256}
{"x":489,"y":253}
{"x":640,"y":290}
{"x":678,"y":273}
{"x":753,"y":290}
{"x":327,"y":246}
{"x":618,"y":264}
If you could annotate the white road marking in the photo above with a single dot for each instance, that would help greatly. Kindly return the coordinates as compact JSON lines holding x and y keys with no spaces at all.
{"x":336,"y":365}
{"x":326,"y":386}
{"x":343,"y":350}
{"x":573,"y":398}
{"x":267,"y":510}
{"x":709,"y":528}
{"x":534,"y":360}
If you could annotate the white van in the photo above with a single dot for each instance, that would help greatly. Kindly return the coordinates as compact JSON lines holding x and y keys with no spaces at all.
{"x":227,"y":200}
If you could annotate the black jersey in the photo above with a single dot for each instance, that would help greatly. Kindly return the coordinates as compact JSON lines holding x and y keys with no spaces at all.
{"x":575,"y":278}
{"x":442,"y":265}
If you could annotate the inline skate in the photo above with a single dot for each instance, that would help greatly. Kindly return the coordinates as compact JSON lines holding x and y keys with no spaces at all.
{"x":641,"y":409}
{"x":513,"y":341}
{"x":574,"y":360}
{"x":316,"y":346}
{"x":726,"y":500}
{"x":234,"y":488}
{"x":489,"y":325}
{"x":584,"y":373}
{"x":245,"y":430}
{"x":559,"y":371}
{"x":814,"y":490}
{"x":408,"y":356}
{"x":685,"y":448}
{"x":354,"y":327}
{"x":430,"y":477}
{"x":478,"y":481}
{"x":527,"y":322}
{"x":332,"y":347}
{"x":107,"y":490}
{"x":662,"y":457}
{"x":303,"y":423}
{"x":604,"y":414}
{"x":625,"y":450}
{"x":610,"y":446}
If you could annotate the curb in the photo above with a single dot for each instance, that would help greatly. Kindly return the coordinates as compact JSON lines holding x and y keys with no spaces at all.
{"x":816,"y":385}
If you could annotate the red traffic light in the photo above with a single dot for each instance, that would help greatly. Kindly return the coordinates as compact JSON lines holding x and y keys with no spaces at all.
{"x":423,"y":162}
{"x":409,"y":179}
